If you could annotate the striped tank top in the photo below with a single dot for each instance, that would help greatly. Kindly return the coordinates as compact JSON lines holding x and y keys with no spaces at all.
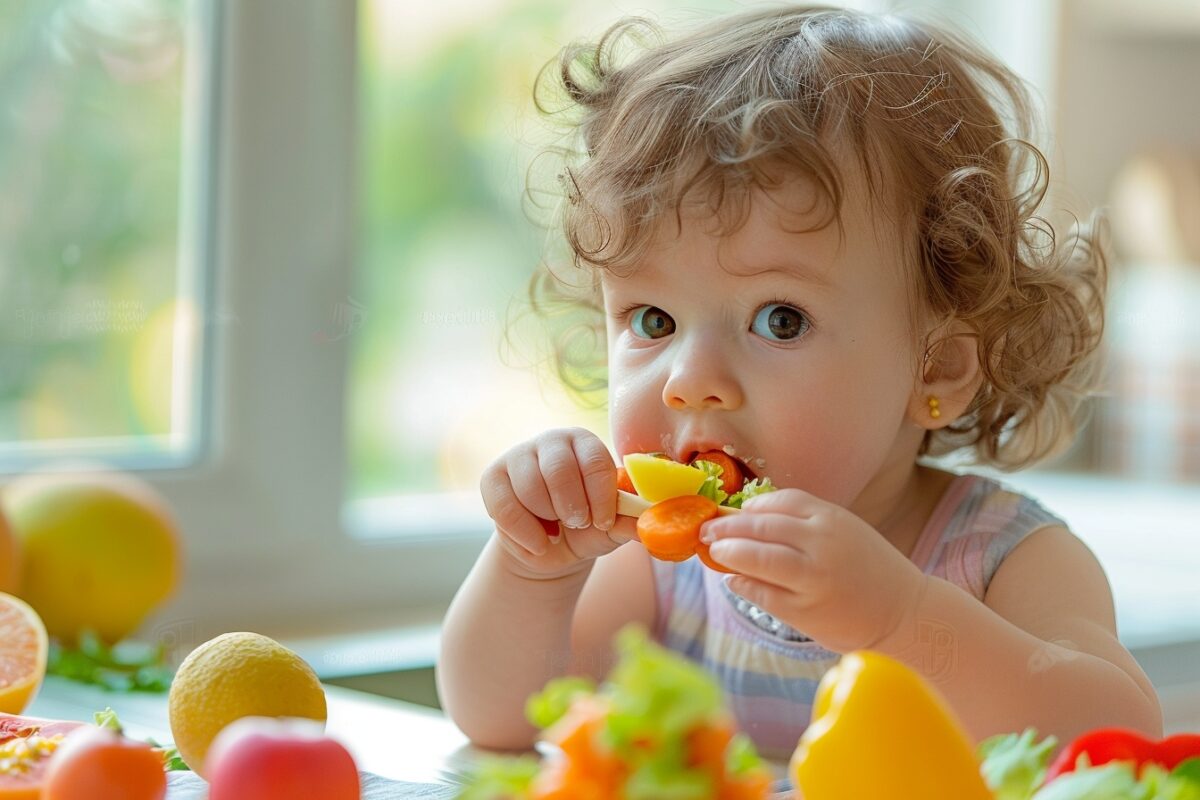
{"x":768,"y":670}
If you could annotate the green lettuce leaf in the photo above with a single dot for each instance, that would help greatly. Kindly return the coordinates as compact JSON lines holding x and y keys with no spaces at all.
{"x":107,"y":719}
{"x":711,"y":488}
{"x":655,"y":700}
{"x":1112,"y":781}
{"x":1188,"y":770}
{"x":752,"y":488}
{"x":1014,"y":765}
{"x":1182,"y":783}
{"x":549,"y":705}
{"x":500,"y":778}
{"x":128,"y":666}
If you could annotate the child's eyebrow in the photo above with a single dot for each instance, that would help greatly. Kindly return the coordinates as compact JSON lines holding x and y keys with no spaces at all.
{"x":791,"y":269}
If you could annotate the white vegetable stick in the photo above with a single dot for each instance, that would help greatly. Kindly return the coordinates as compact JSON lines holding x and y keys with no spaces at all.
{"x":630,"y":505}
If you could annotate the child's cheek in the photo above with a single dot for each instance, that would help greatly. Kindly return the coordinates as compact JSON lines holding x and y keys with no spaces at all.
{"x":635,"y":414}
{"x":822,"y":453}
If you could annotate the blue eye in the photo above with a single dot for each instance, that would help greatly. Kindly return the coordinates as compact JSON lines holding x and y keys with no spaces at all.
{"x":780,"y":322}
{"x":650,"y":322}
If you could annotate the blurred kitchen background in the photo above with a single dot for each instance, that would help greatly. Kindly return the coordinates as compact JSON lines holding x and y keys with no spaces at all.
{"x":265,"y":254}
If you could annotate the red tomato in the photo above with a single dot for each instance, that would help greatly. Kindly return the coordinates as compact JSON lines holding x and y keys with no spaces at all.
{"x":101,"y":764}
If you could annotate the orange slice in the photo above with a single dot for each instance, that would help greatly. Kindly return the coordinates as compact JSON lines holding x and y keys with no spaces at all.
{"x":23,"y":649}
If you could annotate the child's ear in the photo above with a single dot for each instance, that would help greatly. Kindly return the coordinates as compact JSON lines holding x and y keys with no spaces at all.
{"x":948,"y":371}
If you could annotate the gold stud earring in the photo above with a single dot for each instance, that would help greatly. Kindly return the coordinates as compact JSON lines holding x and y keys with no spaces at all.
{"x":934,"y":411}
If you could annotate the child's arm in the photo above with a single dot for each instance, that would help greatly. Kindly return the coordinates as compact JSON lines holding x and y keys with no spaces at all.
{"x":508,"y":630}
{"x":503,"y":638}
{"x":1041,"y":652}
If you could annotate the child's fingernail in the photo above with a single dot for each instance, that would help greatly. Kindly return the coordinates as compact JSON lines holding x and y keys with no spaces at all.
{"x":578,"y":521}
{"x":707,"y":536}
{"x":606,"y":524}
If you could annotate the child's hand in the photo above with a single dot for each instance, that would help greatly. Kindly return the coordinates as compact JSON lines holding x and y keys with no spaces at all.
{"x":562,"y":482}
{"x":817,"y":567}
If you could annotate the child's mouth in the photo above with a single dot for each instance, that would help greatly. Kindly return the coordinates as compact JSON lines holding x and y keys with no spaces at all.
{"x":747,"y":472}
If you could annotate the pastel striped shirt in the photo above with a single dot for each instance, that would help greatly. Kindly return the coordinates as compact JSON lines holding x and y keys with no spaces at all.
{"x":768,"y":670}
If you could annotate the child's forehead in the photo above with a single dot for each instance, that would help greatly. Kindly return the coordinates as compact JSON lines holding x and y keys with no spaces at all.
{"x":791,"y":228}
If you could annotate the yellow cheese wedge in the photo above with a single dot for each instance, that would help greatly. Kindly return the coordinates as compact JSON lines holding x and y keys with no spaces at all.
{"x":658,"y":479}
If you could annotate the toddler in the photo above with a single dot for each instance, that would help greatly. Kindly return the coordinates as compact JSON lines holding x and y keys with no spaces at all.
{"x":807,"y":238}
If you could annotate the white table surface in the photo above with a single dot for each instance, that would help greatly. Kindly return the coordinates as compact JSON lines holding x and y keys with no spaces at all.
{"x":388,"y":737}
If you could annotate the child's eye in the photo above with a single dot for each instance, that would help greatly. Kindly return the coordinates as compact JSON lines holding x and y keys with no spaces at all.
{"x":780,"y":322}
{"x":651,"y":322}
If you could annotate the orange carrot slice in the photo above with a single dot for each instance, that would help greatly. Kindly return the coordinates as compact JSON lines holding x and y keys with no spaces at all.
{"x":623,"y":481}
{"x":670,"y":530}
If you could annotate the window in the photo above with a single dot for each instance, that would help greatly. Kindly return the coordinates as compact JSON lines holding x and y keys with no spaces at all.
{"x":99,"y":286}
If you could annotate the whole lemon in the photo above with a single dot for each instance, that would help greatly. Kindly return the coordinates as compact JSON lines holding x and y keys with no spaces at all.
{"x":238,"y":675}
{"x":100,"y":551}
{"x":10,"y":557}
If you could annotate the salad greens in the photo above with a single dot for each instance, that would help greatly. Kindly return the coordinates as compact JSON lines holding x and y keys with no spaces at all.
{"x":108,"y":720}
{"x":653,"y":700}
{"x":753,"y":488}
{"x":1014,"y":766}
{"x":712,"y":486}
{"x":125,"y":667}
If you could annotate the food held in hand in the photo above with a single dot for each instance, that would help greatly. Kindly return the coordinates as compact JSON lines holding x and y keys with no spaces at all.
{"x":686,"y":496}
{"x":656,"y":729}
{"x":730,"y":472}
{"x":102,"y":764}
{"x":23,"y":651}
{"x":99,"y":552}
{"x":657,"y":479}
{"x":279,"y":759}
{"x":670,"y":530}
{"x":624,"y":484}
{"x":26,"y":746}
{"x":879,"y":730}
{"x":238,"y":675}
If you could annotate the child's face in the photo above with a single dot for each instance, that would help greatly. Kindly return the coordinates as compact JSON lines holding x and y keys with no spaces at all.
{"x":807,"y":381}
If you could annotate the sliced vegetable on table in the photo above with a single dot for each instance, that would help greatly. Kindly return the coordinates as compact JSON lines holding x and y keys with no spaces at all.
{"x":1103,"y":764}
{"x":657,"y":728}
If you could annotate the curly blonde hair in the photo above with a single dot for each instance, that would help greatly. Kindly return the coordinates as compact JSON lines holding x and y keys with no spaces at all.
{"x":944,"y":136}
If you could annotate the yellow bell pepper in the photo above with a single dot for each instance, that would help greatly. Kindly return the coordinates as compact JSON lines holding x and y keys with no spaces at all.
{"x":880,"y":731}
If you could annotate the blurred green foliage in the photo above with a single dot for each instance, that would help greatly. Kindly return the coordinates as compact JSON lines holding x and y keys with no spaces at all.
{"x":90,"y":125}
{"x":448,"y":130}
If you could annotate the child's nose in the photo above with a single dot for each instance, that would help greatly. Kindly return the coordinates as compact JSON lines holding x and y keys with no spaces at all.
{"x":701,"y":379}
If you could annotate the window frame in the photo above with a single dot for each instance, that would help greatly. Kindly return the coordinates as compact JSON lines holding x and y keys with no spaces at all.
{"x":260,"y":506}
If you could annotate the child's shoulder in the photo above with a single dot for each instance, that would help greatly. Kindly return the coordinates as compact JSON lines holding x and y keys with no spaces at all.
{"x":990,"y":505}
{"x":982,"y":520}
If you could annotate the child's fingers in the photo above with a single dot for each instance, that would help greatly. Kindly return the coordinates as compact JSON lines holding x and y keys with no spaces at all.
{"x":795,"y":502}
{"x":763,"y":527}
{"x":512,"y":518}
{"x":560,"y":472}
{"x":527,"y":481}
{"x":599,"y":479}
{"x":772,"y":563}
